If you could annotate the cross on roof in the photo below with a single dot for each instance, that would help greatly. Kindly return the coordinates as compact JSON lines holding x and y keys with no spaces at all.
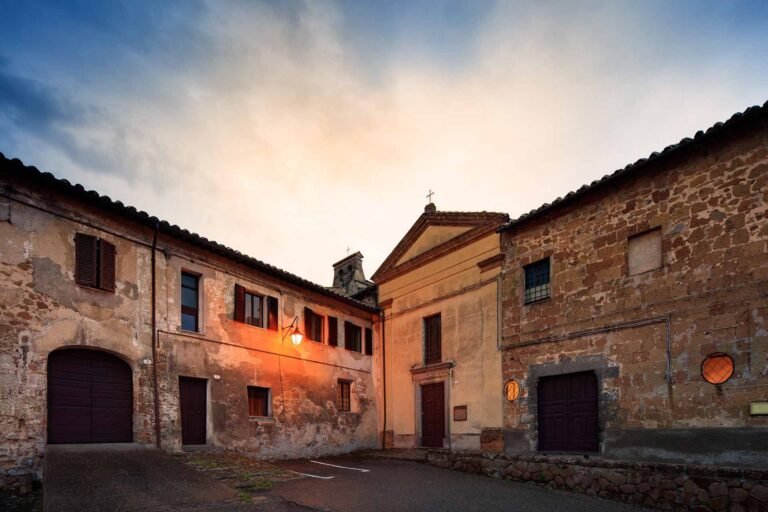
{"x":429,"y":196}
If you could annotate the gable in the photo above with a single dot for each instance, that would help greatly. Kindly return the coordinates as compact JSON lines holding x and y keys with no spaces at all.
{"x":435,"y":233}
{"x":432,"y":237}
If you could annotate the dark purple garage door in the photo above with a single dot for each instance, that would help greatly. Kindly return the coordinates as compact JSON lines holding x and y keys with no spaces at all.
{"x":90,"y":398}
{"x":568,"y":411}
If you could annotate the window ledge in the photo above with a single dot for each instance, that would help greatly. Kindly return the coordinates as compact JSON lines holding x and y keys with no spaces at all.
{"x":537,"y":302}
{"x":96,"y":289}
{"x":196,"y":334}
{"x":444,"y":365}
{"x":261,"y":419}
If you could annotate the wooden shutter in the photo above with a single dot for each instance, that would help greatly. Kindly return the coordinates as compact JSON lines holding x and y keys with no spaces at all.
{"x":107,"y":266}
{"x":333,"y":331}
{"x":368,"y":341}
{"x":308,"y":324}
{"x":239,"y":303}
{"x":272,"y":311}
{"x":85,"y":260}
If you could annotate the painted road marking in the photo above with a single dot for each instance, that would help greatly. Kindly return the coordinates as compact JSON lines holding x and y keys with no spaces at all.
{"x":341,"y":467}
{"x":311,"y":476}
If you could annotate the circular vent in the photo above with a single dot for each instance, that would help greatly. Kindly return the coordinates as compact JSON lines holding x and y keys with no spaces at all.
{"x":511,"y":390}
{"x":717,"y":368}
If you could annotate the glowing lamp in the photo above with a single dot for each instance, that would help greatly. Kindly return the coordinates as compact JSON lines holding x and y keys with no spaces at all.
{"x":296,"y":336}
{"x":293,"y":331}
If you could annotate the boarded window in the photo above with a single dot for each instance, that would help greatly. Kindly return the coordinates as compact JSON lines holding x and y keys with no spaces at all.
{"x":353,"y":337}
{"x":432,"y":339}
{"x":94,"y":262}
{"x":368,"y":341}
{"x":258,"y":401}
{"x":644,"y":252}
{"x":190,"y":300}
{"x":537,"y":281}
{"x":313,"y":325}
{"x":344,"y":401}
{"x":333,"y":331}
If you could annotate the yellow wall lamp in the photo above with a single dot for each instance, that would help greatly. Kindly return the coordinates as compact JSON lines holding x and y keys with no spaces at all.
{"x":293,"y":331}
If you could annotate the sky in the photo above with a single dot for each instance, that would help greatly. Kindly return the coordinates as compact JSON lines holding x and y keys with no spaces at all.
{"x":295,"y":130}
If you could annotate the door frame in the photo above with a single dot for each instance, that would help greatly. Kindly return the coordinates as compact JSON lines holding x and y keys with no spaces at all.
{"x":208,"y":426}
{"x":418,"y":410}
{"x":135,"y":391}
{"x":608,"y":403}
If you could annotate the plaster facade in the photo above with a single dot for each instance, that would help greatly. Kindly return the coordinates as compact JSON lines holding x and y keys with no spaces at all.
{"x":42,"y":310}
{"x":429,"y":273}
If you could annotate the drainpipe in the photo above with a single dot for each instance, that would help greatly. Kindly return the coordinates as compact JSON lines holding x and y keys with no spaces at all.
{"x":155,"y":380}
{"x":384,"y":374}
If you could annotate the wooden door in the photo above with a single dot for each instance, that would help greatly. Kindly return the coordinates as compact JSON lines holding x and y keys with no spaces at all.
{"x":432,"y":415}
{"x":90,"y":398}
{"x":567,"y":413}
{"x":192,"y":400}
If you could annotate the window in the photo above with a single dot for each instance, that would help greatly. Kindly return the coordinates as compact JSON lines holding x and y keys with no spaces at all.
{"x":353,"y":337}
{"x":258,"y":401}
{"x":254,"y":309}
{"x":345,"y":403}
{"x":368,"y":341}
{"x":537,"y":281}
{"x":644,"y":252}
{"x":190,"y":299}
{"x":333,"y":331}
{"x":313,"y":325}
{"x":94,"y":262}
{"x":432,"y":340}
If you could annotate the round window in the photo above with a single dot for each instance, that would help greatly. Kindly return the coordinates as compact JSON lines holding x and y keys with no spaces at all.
{"x":511,"y":390}
{"x":717,"y":368}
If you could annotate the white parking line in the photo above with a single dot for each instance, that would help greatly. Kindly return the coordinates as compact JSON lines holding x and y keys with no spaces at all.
{"x":311,"y":476}
{"x":341,"y":467}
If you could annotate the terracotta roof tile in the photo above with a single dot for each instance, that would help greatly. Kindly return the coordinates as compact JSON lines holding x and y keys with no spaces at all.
{"x":79,"y":192}
{"x":638,"y":166}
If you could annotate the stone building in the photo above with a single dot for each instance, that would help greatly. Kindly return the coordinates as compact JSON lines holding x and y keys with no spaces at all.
{"x":117,"y":327}
{"x":635,"y":309}
{"x":438,"y":291}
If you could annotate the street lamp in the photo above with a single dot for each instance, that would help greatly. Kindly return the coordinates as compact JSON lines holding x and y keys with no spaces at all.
{"x":293,"y":331}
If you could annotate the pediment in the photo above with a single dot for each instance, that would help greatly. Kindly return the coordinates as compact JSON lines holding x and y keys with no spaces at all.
{"x":436,"y":233}
{"x":431,"y":237}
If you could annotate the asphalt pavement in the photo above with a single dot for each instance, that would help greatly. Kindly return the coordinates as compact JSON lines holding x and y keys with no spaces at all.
{"x":351,"y":484}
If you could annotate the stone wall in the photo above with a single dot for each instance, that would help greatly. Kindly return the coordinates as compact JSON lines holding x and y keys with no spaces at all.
{"x":657,"y":485}
{"x":645,"y":336}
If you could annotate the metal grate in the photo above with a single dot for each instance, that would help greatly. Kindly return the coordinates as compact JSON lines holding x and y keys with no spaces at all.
{"x":344,"y":396}
{"x":717,"y":368}
{"x":432,"y":340}
{"x":537,"y":281}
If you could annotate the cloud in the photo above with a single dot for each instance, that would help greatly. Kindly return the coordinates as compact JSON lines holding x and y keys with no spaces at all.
{"x":269,"y":131}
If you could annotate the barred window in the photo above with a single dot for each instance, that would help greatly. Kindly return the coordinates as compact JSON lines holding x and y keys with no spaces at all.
{"x":344,"y":403}
{"x":432,"y":340}
{"x":537,"y":284}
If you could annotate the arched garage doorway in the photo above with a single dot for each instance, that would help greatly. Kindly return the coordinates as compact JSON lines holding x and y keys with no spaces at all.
{"x":90,"y":398}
